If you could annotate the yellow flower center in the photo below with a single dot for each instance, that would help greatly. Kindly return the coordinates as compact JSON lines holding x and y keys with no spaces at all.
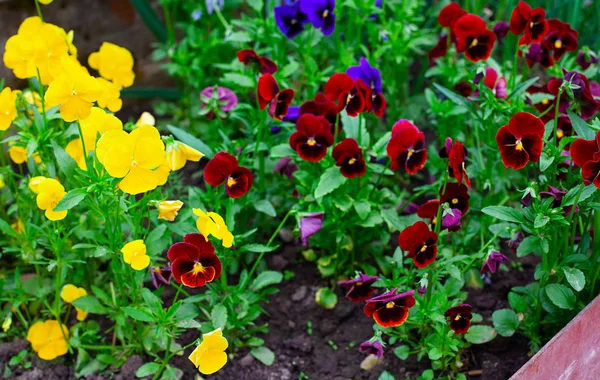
{"x":457,"y":318}
{"x":390,"y":305}
{"x":231,"y":182}
{"x":198,"y":268}
{"x":359,"y":284}
{"x":410,"y":152}
{"x":474,"y":43}
{"x":454,"y":201}
{"x":558,"y":44}
{"x":352,"y":161}
{"x":349,"y":98}
{"x":560,"y":134}
{"x":545,"y":102}
{"x":325,"y":13}
{"x":424,"y":248}
{"x":157,"y":270}
{"x":311,"y":142}
{"x":519,"y":145}
{"x":434,"y":221}
{"x":531,"y":24}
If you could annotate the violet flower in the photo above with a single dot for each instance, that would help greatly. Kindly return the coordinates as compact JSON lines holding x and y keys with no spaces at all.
{"x":160,"y":276}
{"x":320,"y":14}
{"x":220,"y":101}
{"x":310,"y":225}
{"x":359,"y":289}
{"x":368,"y":74}
{"x":586,"y":58}
{"x":451,"y":219}
{"x":516,"y":241}
{"x":370,"y":347}
{"x":501,"y":29}
{"x":558,"y":195}
{"x":285,"y":166}
{"x":492,"y":263}
{"x":292,"y":115}
{"x":290,"y":19}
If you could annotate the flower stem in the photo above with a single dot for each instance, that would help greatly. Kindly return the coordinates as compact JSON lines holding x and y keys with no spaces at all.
{"x":39,"y":10}
{"x":513,"y":76}
{"x":221,"y":18}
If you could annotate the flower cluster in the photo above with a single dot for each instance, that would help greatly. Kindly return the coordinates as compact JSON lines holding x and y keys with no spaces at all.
{"x":292,"y":17}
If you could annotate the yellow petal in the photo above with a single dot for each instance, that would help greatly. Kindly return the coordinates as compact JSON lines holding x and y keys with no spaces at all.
{"x":211,"y":362}
{"x":149,"y":150}
{"x":115,"y":151}
{"x":81,"y":315}
{"x":146,"y":119}
{"x":191,"y":154}
{"x":139,"y":180}
{"x":34,"y":184}
{"x":140,"y":262}
{"x":55,"y":215}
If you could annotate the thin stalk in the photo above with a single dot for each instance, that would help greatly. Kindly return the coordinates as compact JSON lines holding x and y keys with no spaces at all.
{"x":513,"y":76}
{"x":596,"y":252}
{"x":39,"y":11}
{"x":221,"y":18}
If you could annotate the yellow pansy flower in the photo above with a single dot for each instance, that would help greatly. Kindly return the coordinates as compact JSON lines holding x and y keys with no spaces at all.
{"x":2,"y":184}
{"x":210,"y":356}
{"x":133,"y":157}
{"x":146,"y":118}
{"x":50,"y":193}
{"x":34,"y":183}
{"x":51,"y":49}
{"x":134,"y":254}
{"x":162,"y":173}
{"x":7,"y":323}
{"x":74,"y":91}
{"x":33,"y":98}
{"x":8,"y":107}
{"x":45,"y":2}
{"x":114,"y":63}
{"x":48,"y":339}
{"x":211,"y":223}
{"x":20,"y":49}
{"x":110,"y":95}
{"x":179,"y":153}
{"x":70,"y":293}
{"x":167,"y":210}
{"x":18,"y":154}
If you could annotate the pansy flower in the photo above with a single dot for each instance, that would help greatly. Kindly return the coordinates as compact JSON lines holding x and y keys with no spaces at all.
{"x":223,"y":168}
{"x":586,"y":58}
{"x":531,"y":23}
{"x":406,"y":148}
{"x":501,"y":29}
{"x":372,"y":78}
{"x":349,"y":157}
{"x":210,"y":355}
{"x":135,"y":254}
{"x":320,"y":14}
{"x":538,"y":53}
{"x":50,"y":192}
{"x":8,"y":108}
{"x":586,"y":94}
{"x":309,"y":225}
{"x":456,"y":195}
{"x":450,"y":14}
{"x":312,"y":137}
{"x":167,"y":210}
{"x":264,"y":64}
{"x":372,"y":348}
{"x":464,"y":88}
{"x":217,"y":101}
{"x":114,"y":63}
{"x":290,"y":19}
{"x":178,"y":153}
{"x":439,"y":50}
{"x":48,"y":339}
{"x":586,"y":155}
{"x":160,"y":276}
{"x":342,"y":88}
{"x":420,"y":243}
{"x":193,"y":261}
{"x":495,"y":83}
{"x":286,"y":166}
{"x":390,"y":309}
{"x":473,"y":38}
{"x":561,"y":38}
{"x":450,"y":216}
{"x":492,"y":262}
{"x":211,"y":223}
{"x":521,"y":140}
{"x":268,"y":92}
{"x":322,"y":106}
{"x":359,"y":289}
{"x":457,"y":160}
{"x":459,"y":318}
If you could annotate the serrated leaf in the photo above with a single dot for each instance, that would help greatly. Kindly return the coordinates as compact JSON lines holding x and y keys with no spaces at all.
{"x":329,"y":181}
{"x":218,"y":316}
{"x":505,"y":321}
{"x":265,"y":279}
{"x":575,"y":278}
{"x":480,"y":334}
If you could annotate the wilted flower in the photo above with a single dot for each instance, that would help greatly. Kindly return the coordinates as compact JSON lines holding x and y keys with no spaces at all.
{"x":210,"y":356}
{"x":310,"y":225}
{"x":492,"y":262}
{"x":160,"y":276}
{"x":286,"y":166}
{"x":373,"y":348}
{"x":359,"y":289}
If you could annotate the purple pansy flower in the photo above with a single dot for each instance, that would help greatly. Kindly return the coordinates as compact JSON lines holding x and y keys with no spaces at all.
{"x":310,"y":225}
{"x":223,"y":100}
{"x":370,"y":347}
{"x":290,"y":19}
{"x":359,"y":289}
{"x":501,"y":29}
{"x":367,"y":74}
{"x":320,"y":14}
{"x":160,"y":276}
{"x":285,"y":166}
{"x":558,"y":195}
{"x":586,"y":58}
{"x":492,"y":263}
{"x":451,"y":219}
{"x":516,"y":241}
{"x":292,"y":115}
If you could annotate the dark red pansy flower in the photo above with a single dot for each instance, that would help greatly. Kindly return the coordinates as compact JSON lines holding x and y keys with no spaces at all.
{"x":495,"y":83}
{"x":459,"y":318}
{"x":547,"y":105}
{"x":450,"y":218}
{"x":538,"y":53}
{"x":312,"y":137}
{"x":561,"y":38}
{"x":586,"y":155}
{"x":587,"y":100}
{"x":429,"y":210}
{"x":456,"y":195}
{"x":586,"y":58}
{"x":348,"y":156}
{"x":224,"y":168}
{"x":193,"y":261}
{"x":322,"y":106}
{"x":343,"y":89}
{"x":450,"y":14}
{"x":521,"y":140}
{"x":406,"y":148}
{"x":420,"y":243}
{"x":390,"y":309}
{"x":374,"y":100}
{"x":439,"y":50}
{"x":457,"y":160}
{"x":531,"y":22}
{"x":268,"y":93}
{"x":464,"y":88}
{"x":264,"y":64}
{"x":360,"y":288}
{"x":473,"y":38}
{"x":564,"y":128}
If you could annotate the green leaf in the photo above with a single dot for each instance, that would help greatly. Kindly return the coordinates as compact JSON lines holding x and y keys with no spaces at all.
{"x":434,"y":353}
{"x":522,"y":88}
{"x":330,"y":180}
{"x":385,"y":375}
{"x":66,"y":164}
{"x":326,"y":298}
{"x":480,"y":334}
{"x":454,"y":97}
{"x":282,"y":150}
{"x":257,"y":5}
{"x":151,"y":19}
{"x":570,"y":197}
{"x":138,"y":314}
{"x":545,"y":161}
{"x":580,"y":126}
{"x":265,"y":207}
{"x":529,"y":245}
{"x":517,"y":302}
{"x":402,"y":352}
{"x":540,"y":221}
{"x":190,"y":140}
{"x":363,"y":209}
{"x":289,"y":69}
{"x":258,"y":248}
{"x":265,"y":279}
{"x":147,"y":370}
{"x":391,"y":218}
{"x":71,"y":199}
{"x":7,"y":229}
{"x":561,"y":296}
{"x":507,"y":214}
{"x":238,"y":80}
{"x":505,"y":321}
{"x":89,"y":304}
{"x":218,"y":316}
{"x":575,"y":278}
{"x":239,"y":37}
{"x":264,"y":355}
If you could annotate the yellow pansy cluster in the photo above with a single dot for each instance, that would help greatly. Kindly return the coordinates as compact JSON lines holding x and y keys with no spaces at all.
{"x":18,"y":154}
{"x":70,"y":293}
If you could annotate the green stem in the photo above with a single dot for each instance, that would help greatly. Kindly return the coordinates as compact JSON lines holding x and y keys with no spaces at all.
{"x":596,"y":252}
{"x":39,"y":11}
{"x":221,"y":18}
{"x":513,"y":76}
{"x":359,"y":134}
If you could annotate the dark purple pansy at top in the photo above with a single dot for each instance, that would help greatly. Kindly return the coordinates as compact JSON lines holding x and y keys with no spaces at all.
{"x":372,"y":78}
{"x":492,"y":263}
{"x":290,"y":19}
{"x":586,"y":58}
{"x":501,"y":29}
{"x":359,"y":289}
{"x":374,"y":348}
{"x":160,"y":276}
{"x":320,"y":14}
{"x":459,"y":318}
{"x":310,"y":225}
{"x":285,"y":166}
